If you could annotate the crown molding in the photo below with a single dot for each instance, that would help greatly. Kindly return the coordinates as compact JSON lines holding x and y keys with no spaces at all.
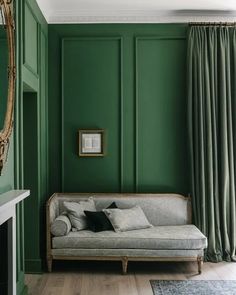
{"x":138,"y":16}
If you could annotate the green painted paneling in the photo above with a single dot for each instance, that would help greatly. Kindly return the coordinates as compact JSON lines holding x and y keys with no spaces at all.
{"x":44,"y":116}
{"x":3,"y":78}
{"x":31,"y":52}
{"x":135,"y":90}
{"x":104,"y":76}
{"x":30,"y":40}
{"x":34,"y":135}
{"x":31,"y":81}
{"x":7,"y":178}
{"x":30,"y":148}
{"x":36,"y":173}
{"x":98,"y":82}
{"x":161,"y":163}
{"x":43,"y":148}
{"x":17,"y":175}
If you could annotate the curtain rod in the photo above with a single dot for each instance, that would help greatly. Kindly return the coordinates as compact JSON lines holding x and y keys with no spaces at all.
{"x":229,"y":24}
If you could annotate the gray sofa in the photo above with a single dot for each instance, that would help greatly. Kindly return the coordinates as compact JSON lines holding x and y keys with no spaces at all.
{"x":172,"y":237}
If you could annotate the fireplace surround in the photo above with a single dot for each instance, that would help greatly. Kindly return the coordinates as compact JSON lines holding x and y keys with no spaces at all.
{"x":8,"y":202}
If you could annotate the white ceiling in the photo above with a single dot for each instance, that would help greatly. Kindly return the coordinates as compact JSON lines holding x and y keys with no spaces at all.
{"x":86,"y":11}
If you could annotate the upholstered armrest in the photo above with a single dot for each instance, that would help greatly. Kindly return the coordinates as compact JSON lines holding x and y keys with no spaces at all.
{"x":52,"y":209}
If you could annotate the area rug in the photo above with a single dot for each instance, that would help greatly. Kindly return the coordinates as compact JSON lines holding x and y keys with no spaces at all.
{"x":193,"y":287}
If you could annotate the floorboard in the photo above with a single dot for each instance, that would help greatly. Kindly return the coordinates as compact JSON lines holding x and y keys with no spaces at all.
{"x":105,"y":278}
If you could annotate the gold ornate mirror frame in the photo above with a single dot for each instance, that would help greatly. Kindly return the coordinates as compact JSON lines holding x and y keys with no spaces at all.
{"x":8,"y":22}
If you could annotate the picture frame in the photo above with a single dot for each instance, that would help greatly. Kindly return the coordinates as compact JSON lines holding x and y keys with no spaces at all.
{"x":91,"y":142}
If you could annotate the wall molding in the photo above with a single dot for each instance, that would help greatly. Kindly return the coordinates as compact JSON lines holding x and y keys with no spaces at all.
{"x":137,"y":16}
{"x":33,"y":265}
{"x":21,"y":288}
{"x":101,"y":38}
{"x":35,"y":7}
{"x":136,"y":95}
{"x":30,"y":79}
{"x":25,"y":63}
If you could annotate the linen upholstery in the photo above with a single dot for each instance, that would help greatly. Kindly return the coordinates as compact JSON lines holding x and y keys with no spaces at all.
{"x":186,"y":237}
{"x":127,"y":219}
{"x":171,"y":238}
{"x":98,"y":221}
{"x":156,"y":207}
{"x":76,"y":214}
{"x":61,"y":226}
{"x":128,"y":252}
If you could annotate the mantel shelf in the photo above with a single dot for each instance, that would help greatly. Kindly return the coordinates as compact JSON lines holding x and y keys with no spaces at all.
{"x":11,"y":198}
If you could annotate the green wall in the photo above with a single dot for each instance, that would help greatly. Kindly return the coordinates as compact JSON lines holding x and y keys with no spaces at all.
{"x":31,"y":58}
{"x":7,"y":178}
{"x":129,"y":80}
{"x":33,"y":135}
{"x":3,"y":75}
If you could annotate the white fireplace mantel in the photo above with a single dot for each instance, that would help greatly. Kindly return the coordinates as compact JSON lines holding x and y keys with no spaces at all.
{"x":8,"y":202}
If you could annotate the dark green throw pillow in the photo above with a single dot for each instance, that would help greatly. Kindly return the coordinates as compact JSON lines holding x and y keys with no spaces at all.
{"x":97,"y":221}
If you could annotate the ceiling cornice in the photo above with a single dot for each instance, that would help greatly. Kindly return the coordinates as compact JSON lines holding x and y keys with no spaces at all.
{"x":137,"y":16}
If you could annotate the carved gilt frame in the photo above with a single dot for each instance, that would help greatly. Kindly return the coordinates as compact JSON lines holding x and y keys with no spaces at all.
{"x":5,"y":133}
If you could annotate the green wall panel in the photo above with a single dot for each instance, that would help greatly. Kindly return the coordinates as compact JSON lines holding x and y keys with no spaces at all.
{"x":3,"y":78}
{"x":12,"y":176}
{"x":29,"y":21}
{"x":31,"y":169}
{"x":98,"y":82}
{"x":135,"y":89}
{"x":33,"y":133}
{"x":7,"y":178}
{"x":161,"y":147}
{"x":30,"y":39}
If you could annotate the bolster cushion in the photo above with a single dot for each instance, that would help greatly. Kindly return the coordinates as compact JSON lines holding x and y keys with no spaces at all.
{"x":75,"y":211}
{"x":61,"y":226}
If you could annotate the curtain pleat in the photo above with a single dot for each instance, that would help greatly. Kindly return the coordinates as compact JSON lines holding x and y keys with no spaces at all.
{"x":212,"y":135}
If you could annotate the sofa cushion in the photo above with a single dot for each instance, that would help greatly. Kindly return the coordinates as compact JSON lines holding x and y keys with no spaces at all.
{"x":76,"y":214}
{"x":159,"y":237}
{"x":127,"y":219}
{"x":98,"y":221}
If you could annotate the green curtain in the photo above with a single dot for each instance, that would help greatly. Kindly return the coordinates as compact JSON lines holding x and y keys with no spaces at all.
{"x":212,"y":134}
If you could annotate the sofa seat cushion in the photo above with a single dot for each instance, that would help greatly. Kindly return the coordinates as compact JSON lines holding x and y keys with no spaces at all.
{"x":159,"y":237}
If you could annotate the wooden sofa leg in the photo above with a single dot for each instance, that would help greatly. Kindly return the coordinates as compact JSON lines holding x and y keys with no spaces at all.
{"x":200,"y":262}
{"x":124,"y":265}
{"x":49,"y":263}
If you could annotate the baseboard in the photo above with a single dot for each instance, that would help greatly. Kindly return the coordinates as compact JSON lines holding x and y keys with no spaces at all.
{"x":21,"y":288}
{"x":24,"y":291}
{"x":33,"y":266}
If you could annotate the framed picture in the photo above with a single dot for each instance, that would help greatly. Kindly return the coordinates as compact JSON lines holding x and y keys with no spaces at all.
{"x":91,"y":143}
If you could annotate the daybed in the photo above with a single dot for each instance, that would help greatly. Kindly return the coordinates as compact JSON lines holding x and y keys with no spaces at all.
{"x":172,"y":237}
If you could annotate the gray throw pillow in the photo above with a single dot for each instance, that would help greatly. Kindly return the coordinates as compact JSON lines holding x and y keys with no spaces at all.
{"x":127,"y":219}
{"x":75,"y":211}
{"x":61,"y":226}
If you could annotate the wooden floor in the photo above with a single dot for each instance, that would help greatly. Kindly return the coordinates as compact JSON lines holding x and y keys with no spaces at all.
{"x":105,"y":278}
